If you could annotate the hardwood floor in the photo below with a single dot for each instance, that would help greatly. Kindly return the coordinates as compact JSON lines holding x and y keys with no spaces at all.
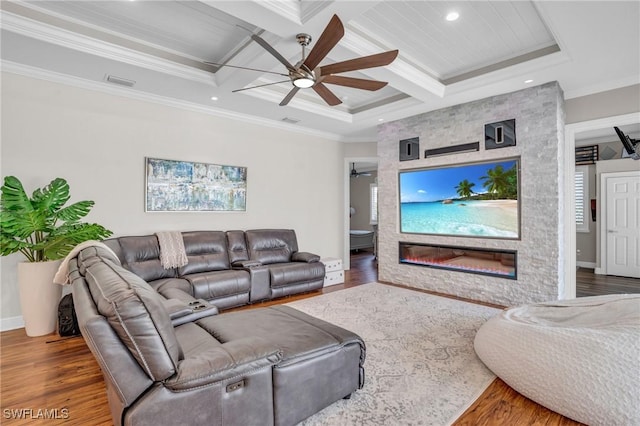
{"x":60,"y":375}
{"x":589,"y":284}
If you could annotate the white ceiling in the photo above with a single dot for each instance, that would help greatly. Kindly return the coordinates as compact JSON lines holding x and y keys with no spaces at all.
{"x":588,"y":46}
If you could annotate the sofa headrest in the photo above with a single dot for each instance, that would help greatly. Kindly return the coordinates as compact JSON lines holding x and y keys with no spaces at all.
{"x":142,"y":257}
{"x":206,"y":251}
{"x":135,"y":311}
{"x":271,"y":245}
{"x":237,"y":246}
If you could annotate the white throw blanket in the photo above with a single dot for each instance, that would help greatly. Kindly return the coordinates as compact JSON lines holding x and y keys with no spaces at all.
{"x":172,"y":252}
{"x":62,"y":276}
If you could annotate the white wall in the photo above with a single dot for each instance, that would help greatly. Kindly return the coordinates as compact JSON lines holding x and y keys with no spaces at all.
{"x":98,"y":143}
{"x":614,"y":102}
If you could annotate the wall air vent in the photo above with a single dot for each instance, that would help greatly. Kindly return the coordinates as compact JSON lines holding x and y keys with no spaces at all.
{"x":119,"y":80}
{"x":290,"y":120}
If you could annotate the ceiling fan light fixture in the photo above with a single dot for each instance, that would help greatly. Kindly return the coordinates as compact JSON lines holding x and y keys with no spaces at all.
{"x":303,"y":82}
{"x":302,"y":78}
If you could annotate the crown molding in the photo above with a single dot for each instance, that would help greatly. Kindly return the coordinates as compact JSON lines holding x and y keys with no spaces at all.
{"x":61,"y":37}
{"x":39,"y":73}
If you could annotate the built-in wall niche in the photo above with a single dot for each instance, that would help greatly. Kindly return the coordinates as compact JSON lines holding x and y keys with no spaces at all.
{"x":494,"y":262}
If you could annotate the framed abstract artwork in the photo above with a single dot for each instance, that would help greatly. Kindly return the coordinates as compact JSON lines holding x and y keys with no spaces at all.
{"x":182,"y":186}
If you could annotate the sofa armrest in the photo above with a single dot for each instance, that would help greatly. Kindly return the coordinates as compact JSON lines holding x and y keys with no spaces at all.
{"x":303,"y":256}
{"x":232,"y":359}
{"x":181,"y":312}
{"x":246,"y":264}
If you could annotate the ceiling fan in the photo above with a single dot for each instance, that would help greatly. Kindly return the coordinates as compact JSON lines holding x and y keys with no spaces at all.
{"x":355,"y":173}
{"x":307,"y":74}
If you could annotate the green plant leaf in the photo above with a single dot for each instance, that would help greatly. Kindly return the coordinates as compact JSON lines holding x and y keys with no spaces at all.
{"x":66,"y":237}
{"x":22,"y":224}
{"x":75,"y":211}
{"x":52,"y":197}
{"x":14,"y":198}
{"x":29,"y":225}
{"x":9,"y":245}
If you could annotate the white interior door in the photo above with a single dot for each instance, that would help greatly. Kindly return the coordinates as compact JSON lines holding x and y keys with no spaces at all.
{"x":623,"y":225}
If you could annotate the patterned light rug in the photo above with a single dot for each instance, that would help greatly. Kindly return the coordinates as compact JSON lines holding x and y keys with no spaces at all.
{"x":420,"y":368}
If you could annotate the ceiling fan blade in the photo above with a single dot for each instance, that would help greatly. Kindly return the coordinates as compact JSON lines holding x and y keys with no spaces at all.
{"x":260,"y":85}
{"x":289,"y":96}
{"x":331,"y":35}
{"x":326,"y":94}
{"x":371,"y":61}
{"x":273,"y":51}
{"x":357,"y":83}
{"x":246,"y":68}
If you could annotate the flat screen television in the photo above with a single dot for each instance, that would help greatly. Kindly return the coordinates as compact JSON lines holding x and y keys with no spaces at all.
{"x":468,"y":200}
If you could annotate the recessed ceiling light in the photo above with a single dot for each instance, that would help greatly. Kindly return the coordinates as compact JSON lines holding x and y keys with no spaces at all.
{"x":528,"y":81}
{"x":214,"y":98}
{"x":380,"y":119}
{"x":452,"y":16}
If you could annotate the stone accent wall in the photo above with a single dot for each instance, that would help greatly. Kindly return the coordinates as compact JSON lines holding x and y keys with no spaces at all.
{"x":539,"y":114}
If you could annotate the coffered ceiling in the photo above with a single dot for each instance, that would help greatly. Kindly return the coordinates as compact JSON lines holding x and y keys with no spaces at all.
{"x":156,"y":50}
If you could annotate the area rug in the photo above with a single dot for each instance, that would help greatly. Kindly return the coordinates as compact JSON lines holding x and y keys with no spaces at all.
{"x":420,"y":368}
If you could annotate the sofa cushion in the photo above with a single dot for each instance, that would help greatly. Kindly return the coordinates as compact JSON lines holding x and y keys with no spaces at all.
{"x":134,"y":310}
{"x":295,"y":273}
{"x":298,"y":335}
{"x":142,"y":257}
{"x":206,"y":251}
{"x":237,"y":246}
{"x":166,"y":283}
{"x":214,"y":285}
{"x":271,"y":245}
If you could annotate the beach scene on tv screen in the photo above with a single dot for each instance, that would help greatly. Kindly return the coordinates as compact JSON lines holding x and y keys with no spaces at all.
{"x":477,"y":200}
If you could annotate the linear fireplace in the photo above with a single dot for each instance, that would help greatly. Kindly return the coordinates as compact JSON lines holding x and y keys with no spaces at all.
{"x":494,"y":262}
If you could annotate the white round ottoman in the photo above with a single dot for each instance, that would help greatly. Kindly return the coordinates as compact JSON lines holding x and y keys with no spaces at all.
{"x":580,"y":357}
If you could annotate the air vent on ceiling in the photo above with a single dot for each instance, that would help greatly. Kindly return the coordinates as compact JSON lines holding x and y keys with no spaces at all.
{"x":119,"y":80}
{"x":290,"y":120}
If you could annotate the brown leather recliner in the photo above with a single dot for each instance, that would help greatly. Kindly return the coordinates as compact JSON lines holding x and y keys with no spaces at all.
{"x":268,"y":366}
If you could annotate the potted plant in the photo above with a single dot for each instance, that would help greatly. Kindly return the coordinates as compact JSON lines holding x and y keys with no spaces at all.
{"x":44,"y":231}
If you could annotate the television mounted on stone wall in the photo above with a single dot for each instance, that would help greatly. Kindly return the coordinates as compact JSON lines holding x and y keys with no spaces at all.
{"x":463,"y":200}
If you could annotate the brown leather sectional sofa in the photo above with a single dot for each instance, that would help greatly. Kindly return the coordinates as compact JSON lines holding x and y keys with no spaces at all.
{"x":169,"y":358}
{"x":228,"y":269}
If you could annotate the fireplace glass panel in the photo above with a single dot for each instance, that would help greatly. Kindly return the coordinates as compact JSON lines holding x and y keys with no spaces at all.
{"x":499,"y":263}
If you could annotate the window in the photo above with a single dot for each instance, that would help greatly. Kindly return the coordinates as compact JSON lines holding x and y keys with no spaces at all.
{"x":373,"y":204}
{"x":582,"y":198}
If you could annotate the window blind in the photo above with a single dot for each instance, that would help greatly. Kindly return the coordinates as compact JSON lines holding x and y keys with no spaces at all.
{"x":581,"y":194}
{"x":373,"y":206}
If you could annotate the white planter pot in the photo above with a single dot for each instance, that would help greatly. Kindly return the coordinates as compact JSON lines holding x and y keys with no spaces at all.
{"x":39,"y":296}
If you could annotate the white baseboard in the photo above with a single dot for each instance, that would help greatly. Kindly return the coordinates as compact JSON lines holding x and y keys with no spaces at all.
{"x":598,"y":271}
{"x":590,"y":265}
{"x":11,"y":323}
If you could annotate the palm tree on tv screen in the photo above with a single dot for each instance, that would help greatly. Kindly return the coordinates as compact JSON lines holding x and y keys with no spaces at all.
{"x":464,"y":188}
{"x":500,"y":183}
